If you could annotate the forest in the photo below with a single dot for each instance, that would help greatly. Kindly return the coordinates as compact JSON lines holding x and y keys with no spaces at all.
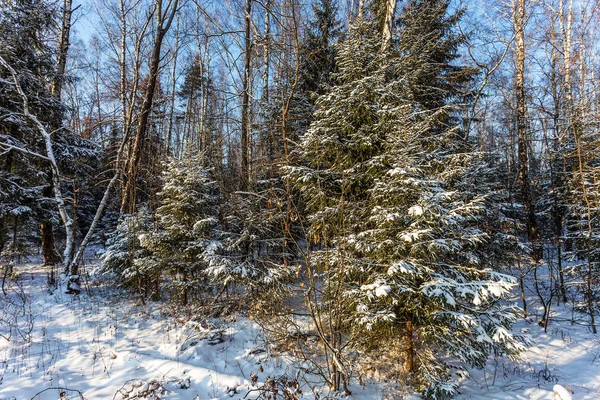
{"x":392,"y":193}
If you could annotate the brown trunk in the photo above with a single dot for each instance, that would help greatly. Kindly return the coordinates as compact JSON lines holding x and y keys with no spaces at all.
{"x":128,"y":200}
{"x":410,"y":361}
{"x":50,"y":255}
{"x":48,"y":251}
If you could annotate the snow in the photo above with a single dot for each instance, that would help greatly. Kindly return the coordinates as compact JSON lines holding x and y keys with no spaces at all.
{"x":560,"y":393}
{"x":415,"y":211}
{"x":20,"y":210}
{"x":104,"y":345}
{"x":566,"y":357}
{"x":377,"y":289}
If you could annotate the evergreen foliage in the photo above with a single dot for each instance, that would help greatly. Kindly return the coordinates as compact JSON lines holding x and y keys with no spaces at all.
{"x":23,"y":25}
{"x":24,"y":188}
{"x":404,"y":215}
{"x":429,"y":42}
{"x":317,"y":60}
{"x":258,"y":247}
{"x":185,"y":239}
{"x":123,"y":247}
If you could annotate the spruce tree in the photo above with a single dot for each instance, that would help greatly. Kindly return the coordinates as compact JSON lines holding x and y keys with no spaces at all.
{"x":317,"y":57}
{"x":122,"y":248}
{"x":403,"y":214}
{"x":429,"y":43}
{"x":23,"y":26}
{"x":184,"y":241}
{"x":258,"y":251}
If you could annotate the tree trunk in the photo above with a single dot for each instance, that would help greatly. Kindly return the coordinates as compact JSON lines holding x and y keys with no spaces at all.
{"x":390,"y":10}
{"x":557,"y":166}
{"x":48,"y":251}
{"x":63,"y":49}
{"x":410,"y":351}
{"x":173,"y":86}
{"x":163,"y":25}
{"x":522,"y":134}
{"x":50,"y":158}
{"x":245,"y":170}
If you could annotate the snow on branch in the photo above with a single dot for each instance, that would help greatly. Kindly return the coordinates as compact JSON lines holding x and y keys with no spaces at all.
{"x":64,"y":215}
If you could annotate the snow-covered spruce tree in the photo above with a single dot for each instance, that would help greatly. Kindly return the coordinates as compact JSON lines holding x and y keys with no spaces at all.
{"x":429,"y":42}
{"x":408,"y":226}
{"x":434,"y":250}
{"x":122,"y":248}
{"x":23,"y":25}
{"x":583,"y":223}
{"x":184,"y":241}
{"x":338,"y":164}
{"x":317,"y":53}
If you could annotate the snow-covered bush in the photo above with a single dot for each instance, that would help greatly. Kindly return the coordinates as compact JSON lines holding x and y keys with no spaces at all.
{"x":258,"y":253}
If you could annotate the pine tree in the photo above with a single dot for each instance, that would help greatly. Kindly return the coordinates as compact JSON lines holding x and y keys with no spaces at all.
{"x":317,"y":60}
{"x":22,"y":26}
{"x":434,"y":253}
{"x":339,"y":161}
{"x":404,"y":213}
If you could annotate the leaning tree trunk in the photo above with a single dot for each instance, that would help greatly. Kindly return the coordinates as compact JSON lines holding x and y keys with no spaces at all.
{"x":50,"y":158}
{"x":164,"y":20}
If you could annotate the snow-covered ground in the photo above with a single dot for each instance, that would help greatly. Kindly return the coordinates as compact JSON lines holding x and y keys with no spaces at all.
{"x":567,"y":354}
{"x":105,"y":347}
{"x":111,"y":348}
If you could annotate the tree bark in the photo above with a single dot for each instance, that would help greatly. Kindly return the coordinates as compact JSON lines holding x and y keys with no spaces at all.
{"x":164,"y":20}
{"x":522,"y":134}
{"x":63,"y":49}
{"x":390,"y":10}
{"x":410,"y":351}
{"x":48,"y":251}
{"x":173,"y":85}
{"x":245,"y":170}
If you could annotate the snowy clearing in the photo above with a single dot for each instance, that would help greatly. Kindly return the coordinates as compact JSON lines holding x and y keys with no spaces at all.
{"x":114,"y":349}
